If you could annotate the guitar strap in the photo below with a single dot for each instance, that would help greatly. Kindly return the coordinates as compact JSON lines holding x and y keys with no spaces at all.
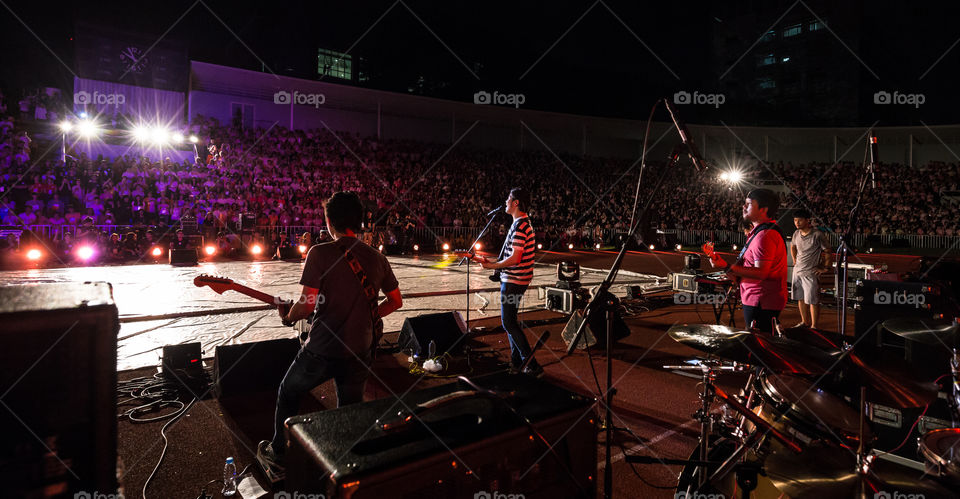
{"x":760,"y":228}
{"x":368,"y":291}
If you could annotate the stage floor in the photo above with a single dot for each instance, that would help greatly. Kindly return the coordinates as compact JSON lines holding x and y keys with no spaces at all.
{"x":159,"y":304}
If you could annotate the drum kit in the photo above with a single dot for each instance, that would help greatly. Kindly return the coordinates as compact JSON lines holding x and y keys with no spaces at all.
{"x":799,"y":426}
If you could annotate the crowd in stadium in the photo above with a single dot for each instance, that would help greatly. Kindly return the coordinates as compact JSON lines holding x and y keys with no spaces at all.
{"x":281,"y":177}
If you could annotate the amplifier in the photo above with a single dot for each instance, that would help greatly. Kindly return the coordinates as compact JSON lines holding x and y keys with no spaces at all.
{"x":894,"y":426}
{"x":685,"y":282}
{"x":473,"y":446}
{"x":58,"y":377}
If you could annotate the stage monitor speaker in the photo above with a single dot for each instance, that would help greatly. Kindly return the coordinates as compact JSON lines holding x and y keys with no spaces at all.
{"x":183,"y":257}
{"x":290,"y":253}
{"x":58,"y":378}
{"x":596,"y":329}
{"x":252,"y":367}
{"x":465,"y":446}
{"x":445,"y":329}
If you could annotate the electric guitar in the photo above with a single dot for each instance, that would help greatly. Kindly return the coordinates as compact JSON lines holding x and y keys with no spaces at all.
{"x":495,"y":277}
{"x":717,"y":260}
{"x":221,"y":284}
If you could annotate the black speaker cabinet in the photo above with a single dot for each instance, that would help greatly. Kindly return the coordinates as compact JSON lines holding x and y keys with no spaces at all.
{"x":290,"y":253}
{"x":58,"y":380}
{"x":445,"y":329}
{"x":252,"y":367}
{"x":470,"y":446}
{"x":183,"y":257}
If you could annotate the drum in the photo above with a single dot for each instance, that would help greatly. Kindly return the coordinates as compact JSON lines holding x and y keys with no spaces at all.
{"x":941,"y":453}
{"x":792,"y":405}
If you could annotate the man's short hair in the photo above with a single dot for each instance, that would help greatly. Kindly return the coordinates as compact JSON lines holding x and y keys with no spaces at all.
{"x":801,"y":214}
{"x":766,"y":198}
{"x":344,"y":211}
{"x":521,"y":195}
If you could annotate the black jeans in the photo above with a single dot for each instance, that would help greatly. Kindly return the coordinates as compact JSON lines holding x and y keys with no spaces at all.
{"x":511,"y":295}
{"x":306,"y":372}
{"x":763,"y":317}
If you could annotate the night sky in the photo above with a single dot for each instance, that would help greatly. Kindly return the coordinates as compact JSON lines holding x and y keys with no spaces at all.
{"x":610,"y":58}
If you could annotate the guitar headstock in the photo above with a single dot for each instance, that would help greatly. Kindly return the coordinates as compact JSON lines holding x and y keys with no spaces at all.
{"x":708,"y":248}
{"x":462,"y":253}
{"x":216,"y":283}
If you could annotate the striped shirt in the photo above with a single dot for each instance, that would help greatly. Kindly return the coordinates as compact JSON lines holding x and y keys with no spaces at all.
{"x":520,"y":239}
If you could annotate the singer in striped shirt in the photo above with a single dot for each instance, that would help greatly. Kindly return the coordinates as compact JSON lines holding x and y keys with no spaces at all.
{"x":516,"y":272}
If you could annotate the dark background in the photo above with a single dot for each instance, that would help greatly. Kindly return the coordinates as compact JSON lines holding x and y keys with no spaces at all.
{"x":598,"y":67}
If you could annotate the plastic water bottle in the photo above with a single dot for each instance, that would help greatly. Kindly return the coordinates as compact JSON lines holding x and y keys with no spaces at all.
{"x":229,"y":478}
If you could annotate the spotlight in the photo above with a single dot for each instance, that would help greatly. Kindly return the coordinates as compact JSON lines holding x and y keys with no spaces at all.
{"x":156,"y":252}
{"x":736,"y":177}
{"x":416,"y":247}
{"x":34,"y":255}
{"x":679,"y":247}
{"x":870,"y":250}
{"x":83,"y":114}
{"x":194,"y":139}
{"x":66,"y":126}
{"x":539,"y":246}
{"x":85,"y":252}
{"x":256,"y":249}
{"x":446,"y":247}
{"x":724,"y":176}
{"x":734,"y":247}
{"x":177,"y":138}
{"x":478,"y":246}
{"x":302,"y":248}
{"x":87,"y":129}
{"x":380,"y":248}
{"x":141,"y":133}
{"x":159,"y":136}
{"x":570,"y":246}
{"x":597,"y":246}
{"x":210,"y":250}
{"x":652,"y":247}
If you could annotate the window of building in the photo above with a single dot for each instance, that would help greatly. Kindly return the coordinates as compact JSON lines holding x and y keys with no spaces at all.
{"x":814,"y":25}
{"x":768,"y":60}
{"x":768,"y":36}
{"x":794,"y":30}
{"x":785,"y":59}
{"x":766,"y":83}
{"x":335,"y":64}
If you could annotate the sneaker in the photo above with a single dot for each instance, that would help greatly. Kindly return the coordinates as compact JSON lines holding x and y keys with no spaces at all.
{"x":535,"y":370}
{"x":268,"y":458}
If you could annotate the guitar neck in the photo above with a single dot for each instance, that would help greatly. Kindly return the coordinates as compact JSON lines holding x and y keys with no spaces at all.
{"x":257,"y":295}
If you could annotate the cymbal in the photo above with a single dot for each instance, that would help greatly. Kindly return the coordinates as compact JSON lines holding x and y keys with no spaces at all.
{"x":829,"y":471}
{"x":776,"y":354}
{"x":929,"y":332}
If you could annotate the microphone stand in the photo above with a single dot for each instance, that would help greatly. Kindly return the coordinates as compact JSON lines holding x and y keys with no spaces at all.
{"x":473,"y":249}
{"x":844,"y":250}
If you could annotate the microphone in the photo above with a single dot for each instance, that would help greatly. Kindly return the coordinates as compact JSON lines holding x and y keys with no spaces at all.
{"x":686,"y":137}
{"x":494,"y":210}
{"x":874,"y":160}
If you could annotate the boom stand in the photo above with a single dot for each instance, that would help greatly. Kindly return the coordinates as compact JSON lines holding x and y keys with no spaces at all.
{"x":472,"y":250}
{"x":843,"y":264}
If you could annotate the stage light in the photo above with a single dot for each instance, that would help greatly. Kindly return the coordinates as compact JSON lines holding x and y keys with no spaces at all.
{"x":34,"y":254}
{"x":570,"y":246}
{"x":380,"y":248}
{"x":194,"y":139}
{"x":679,"y":247}
{"x":302,"y":248}
{"x":870,"y":250}
{"x":159,"y":136}
{"x":597,"y":246}
{"x":652,"y":247}
{"x":83,"y":114}
{"x":140,"y":133}
{"x":732,"y":176}
{"x":734,"y":247}
{"x":446,"y":247}
{"x":177,"y":138}
{"x":156,"y":251}
{"x":85,"y":252}
{"x":87,"y":129}
{"x":66,"y":126}
{"x":210,"y":250}
{"x":724,"y":176}
{"x":416,"y":247}
{"x":256,"y":249}
{"x":479,"y":246}
{"x":539,"y":246}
